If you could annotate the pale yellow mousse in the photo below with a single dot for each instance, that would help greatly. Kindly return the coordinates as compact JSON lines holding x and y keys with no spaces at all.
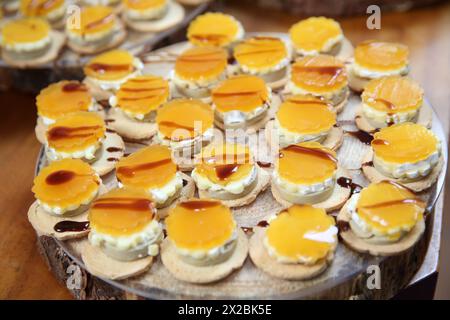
{"x":124,"y":225}
{"x":66,"y":186}
{"x":226,"y":171}
{"x":76,"y":135}
{"x":391,"y":100}
{"x":321,"y":76}
{"x":51,"y":10}
{"x":216,"y":29}
{"x":202,"y":231}
{"x":145,"y":9}
{"x":301,"y":234}
{"x":384,"y":212}
{"x":151,"y":169}
{"x":303,"y":118}
{"x":315,"y":35}
{"x":305,"y":173}
{"x":141,"y":96}
{"x":26,"y":36}
{"x":62,"y":98}
{"x":241,"y":100}
{"x":406,"y":151}
{"x":95,"y":26}
{"x":111,"y":69}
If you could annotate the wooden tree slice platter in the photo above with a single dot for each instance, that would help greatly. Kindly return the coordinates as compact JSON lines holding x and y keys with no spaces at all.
{"x":345,"y":278}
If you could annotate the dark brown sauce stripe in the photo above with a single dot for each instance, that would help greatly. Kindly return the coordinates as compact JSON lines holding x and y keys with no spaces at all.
{"x":362,"y":136}
{"x":104,"y":67}
{"x":136,"y":204}
{"x":348,"y":183}
{"x":199,"y":205}
{"x":71,"y":226}
{"x":74,"y":86}
{"x":114,"y":149}
{"x":57,"y":133}
{"x":226,"y":170}
{"x":130,"y":171}
{"x":59,"y":177}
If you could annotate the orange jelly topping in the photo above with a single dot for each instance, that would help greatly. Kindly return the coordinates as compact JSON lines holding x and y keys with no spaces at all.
{"x":26,"y":30}
{"x":225,"y":163}
{"x":75,"y":131}
{"x":393,"y":94}
{"x":322,"y":73}
{"x":201,"y":63}
{"x":94,"y":19}
{"x":121,"y":212}
{"x":312,"y":34}
{"x":260,"y":52}
{"x":216,"y":29}
{"x":111,"y":65}
{"x":243,"y":93}
{"x":142,"y":94}
{"x":306,"y":163}
{"x":150,"y":167}
{"x":65,"y":183}
{"x":404,"y":143}
{"x":305,"y":114}
{"x":182,"y":119}
{"x":200,"y":224}
{"x":387,"y":206}
{"x":289,"y":233}
{"x":381,"y":56}
{"x":39,"y":8}
{"x":62,"y":98}
{"x":142,"y":5}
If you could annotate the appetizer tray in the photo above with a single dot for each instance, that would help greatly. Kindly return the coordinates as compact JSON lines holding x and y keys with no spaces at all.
{"x":69,"y":64}
{"x":345,"y":278}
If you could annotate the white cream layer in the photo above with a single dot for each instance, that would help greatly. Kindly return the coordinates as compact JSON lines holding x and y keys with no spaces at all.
{"x":206,"y":136}
{"x":365,"y":72}
{"x":20,"y":47}
{"x":385,"y":118}
{"x":301,"y":190}
{"x":334,"y":96}
{"x":87,"y":153}
{"x":287,"y":137}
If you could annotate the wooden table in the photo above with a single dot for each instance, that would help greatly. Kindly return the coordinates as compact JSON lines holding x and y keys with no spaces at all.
{"x":24,"y":274}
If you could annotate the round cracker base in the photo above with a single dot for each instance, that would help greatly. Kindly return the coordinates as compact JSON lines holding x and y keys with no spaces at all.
{"x":44,"y":223}
{"x":261,"y":185}
{"x":204,"y":274}
{"x":337,"y":199}
{"x":128,"y":128}
{"x":425,"y":118}
{"x":106,"y":161}
{"x":174,"y":15}
{"x":187,"y":192}
{"x":58,"y":41}
{"x":99,"y":264}
{"x":262,"y":260}
{"x":373,"y":175}
{"x":117,"y":39}
{"x":357,"y":244}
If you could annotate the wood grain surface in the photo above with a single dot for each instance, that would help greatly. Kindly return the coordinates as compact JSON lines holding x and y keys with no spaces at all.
{"x":24,"y":274}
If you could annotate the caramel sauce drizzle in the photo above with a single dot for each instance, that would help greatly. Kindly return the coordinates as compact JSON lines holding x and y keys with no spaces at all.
{"x":130,"y":171}
{"x":223,"y":171}
{"x":62,"y":176}
{"x":114,"y":149}
{"x":311,"y":151}
{"x":104,"y":67}
{"x":345,"y":182}
{"x":136,"y":204}
{"x":362,"y":136}
{"x":71,"y":226}
{"x":199,"y":205}
{"x":74,"y":86}
{"x":380,"y":142}
{"x":57,"y":133}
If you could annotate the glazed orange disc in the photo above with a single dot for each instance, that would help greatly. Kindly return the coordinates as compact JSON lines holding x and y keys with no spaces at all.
{"x":111,"y":65}
{"x":26,"y":30}
{"x":62,"y":98}
{"x":306,"y":163}
{"x":260,"y":52}
{"x":182,"y":119}
{"x":393,"y":94}
{"x":216,"y":29}
{"x":314,"y":33}
{"x":65,"y":183}
{"x":320,"y":74}
{"x":404,"y":143}
{"x":381,"y":56}
{"x":200,"y":224}
{"x":149,"y":167}
{"x":142,"y":94}
{"x":39,"y":8}
{"x":291,"y":231}
{"x":142,"y":5}
{"x":201,"y":63}
{"x":305,"y":114}
{"x":387,"y":207}
{"x":243,"y":93}
{"x":76,"y":131}
{"x":94,"y":19}
{"x":225,"y":163}
{"x":121,"y":212}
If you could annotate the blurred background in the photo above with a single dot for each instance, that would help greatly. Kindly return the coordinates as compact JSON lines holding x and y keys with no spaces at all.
{"x":423,"y":25}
